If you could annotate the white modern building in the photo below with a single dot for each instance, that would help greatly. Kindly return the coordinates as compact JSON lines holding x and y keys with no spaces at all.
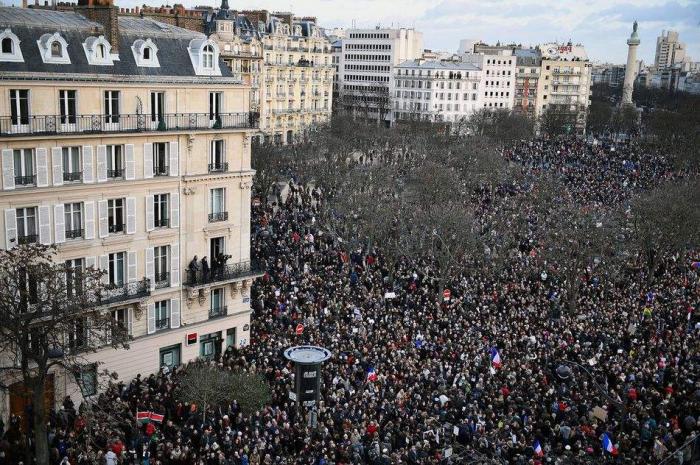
{"x":497,"y":77}
{"x":366,"y":66}
{"x":439,"y":91}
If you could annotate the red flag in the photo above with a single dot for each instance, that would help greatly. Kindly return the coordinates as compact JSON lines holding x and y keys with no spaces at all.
{"x":157,"y":417}
{"x":300,"y":329}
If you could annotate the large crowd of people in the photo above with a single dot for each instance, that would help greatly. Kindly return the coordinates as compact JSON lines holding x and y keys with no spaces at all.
{"x":497,"y":372}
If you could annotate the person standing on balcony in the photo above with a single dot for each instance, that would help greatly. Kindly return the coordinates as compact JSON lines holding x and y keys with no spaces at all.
{"x":205,"y":269}
{"x":193,"y":268}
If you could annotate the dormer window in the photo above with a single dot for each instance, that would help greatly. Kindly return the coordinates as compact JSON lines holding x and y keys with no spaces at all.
{"x":204,"y":55}
{"x":54,"y":49}
{"x":145,"y":53}
{"x":9,"y":47}
{"x":98,"y":51}
{"x":208,"y":57}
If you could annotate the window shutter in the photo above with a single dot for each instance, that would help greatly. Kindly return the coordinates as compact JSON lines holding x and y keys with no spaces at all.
{"x":131,"y":267}
{"x":130,"y":215}
{"x":45,"y":224}
{"x":175,"y":209}
{"x":57,"y":164}
{"x":42,"y":167}
{"x":174,"y":159}
{"x":175,"y":265}
{"x":150,"y":219}
{"x":174,"y":313}
{"x":101,"y":163}
{"x":88,"y":177}
{"x":150,"y":267}
{"x":90,"y":262}
{"x":8,"y":170}
{"x":129,"y":321}
{"x":59,"y":221}
{"x":10,"y":228}
{"x":89,"y":218}
{"x":130,"y":162}
{"x":104,"y":266}
{"x":151,"y":318}
{"x":103,"y":228}
{"x":147,"y":160}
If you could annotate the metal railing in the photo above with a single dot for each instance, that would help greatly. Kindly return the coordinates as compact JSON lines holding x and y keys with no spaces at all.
{"x":225,"y":273}
{"x":162,"y":280}
{"x":117,"y":173}
{"x":218,"y":167}
{"x":51,"y":124}
{"x":135,"y":290}
{"x":163,"y":323}
{"x":218,"y":216}
{"x":72,"y":177}
{"x":115,"y":228}
{"x":161,"y":222}
{"x":161,"y":170}
{"x":221,"y":310}
{"x":74,"y":234}
{"x":25,"y":180}
{"x":28,"y":239}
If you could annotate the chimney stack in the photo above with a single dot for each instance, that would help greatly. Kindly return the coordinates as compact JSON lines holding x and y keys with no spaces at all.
{"x":105,"y":13}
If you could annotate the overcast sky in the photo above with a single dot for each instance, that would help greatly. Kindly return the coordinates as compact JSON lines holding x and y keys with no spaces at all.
{"x":602,"y":26}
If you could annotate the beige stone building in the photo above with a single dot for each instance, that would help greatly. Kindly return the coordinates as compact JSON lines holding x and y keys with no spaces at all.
{"x":131,"y":155}
{"x":286,"y":60}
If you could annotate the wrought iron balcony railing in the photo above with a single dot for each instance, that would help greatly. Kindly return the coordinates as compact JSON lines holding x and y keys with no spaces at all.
{"x":116,"y":173}
{"x":74,"y":234}
{"x":218,"y":167}
{"x":72,"y":177}
{"x":115,"y":228}
{"x":218,"y":216}
{"x":124,"y":292}
{"x":216,"y":312}
{"x":51,"y":124}
{"x":161,"y":222}
{"x":228,"y":272}
{"x":162,"y":280}
{"x":25,"y":180}
{"x":163,"y":323}
{"x":28,"y":239}
{"x":161,"y":170}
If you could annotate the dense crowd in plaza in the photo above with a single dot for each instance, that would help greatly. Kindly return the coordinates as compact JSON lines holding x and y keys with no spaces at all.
{"x":623,"y":366}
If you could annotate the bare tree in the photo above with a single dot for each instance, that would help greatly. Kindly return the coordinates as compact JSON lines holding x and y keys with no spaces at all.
{"x":50,"y":317}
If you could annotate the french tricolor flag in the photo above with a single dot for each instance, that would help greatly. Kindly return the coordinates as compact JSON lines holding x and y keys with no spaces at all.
{"x":495,"y":358}
{"x":608,"y":445}
{"x":537,"y":448}
{"x":371,"y":374}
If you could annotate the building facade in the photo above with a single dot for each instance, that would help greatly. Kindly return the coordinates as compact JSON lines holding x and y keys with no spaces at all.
{"x":497,"y":77}
{"x":565,"y":82}
{"x":669,"y":50}
{"x":366,"y":69}
{"x":527,"y":74}
{"x":130,"y":155}
{"x":437,"y":91}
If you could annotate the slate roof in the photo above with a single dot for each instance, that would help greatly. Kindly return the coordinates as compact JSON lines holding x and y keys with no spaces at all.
{"x":435,"y":64}
{"x":172,"y":43}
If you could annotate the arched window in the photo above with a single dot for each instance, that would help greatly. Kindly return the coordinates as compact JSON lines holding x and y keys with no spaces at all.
{"x":147,"y":53}
{"x":101,"y":52}
{"x":7,"y":45}
{"x":56,"y":49}
{"x":208,"y":57}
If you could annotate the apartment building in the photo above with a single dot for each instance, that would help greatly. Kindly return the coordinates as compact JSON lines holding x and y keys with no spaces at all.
{"x":497,"y":77}
{"x":438,"y":91}
{"x":527,"y":74}
{"x":565,"y":82}
{"x":366,"y":68}
{"x":126,"y":143}
{"x":670,"y":50}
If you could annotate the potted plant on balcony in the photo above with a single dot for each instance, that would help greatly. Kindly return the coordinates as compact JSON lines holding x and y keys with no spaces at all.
{"x":217,"y":123}
{"x":161,"y":125}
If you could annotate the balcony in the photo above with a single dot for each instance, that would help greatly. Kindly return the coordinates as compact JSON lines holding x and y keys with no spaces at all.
{"x":74,"y":234}
{"x":73,"y":177}
{"x":163,"y":323}
{"x":162,"y":280}
{"x":228,"y":273}
{"x":125,"y":292}
{"x":116,"y":228}
{"x":28,"y":239}
{"x":96,"y":124}
{"x":218,"y":216}
{"x":218,"y":167}
{"x":25,"y":180}
{"x":217,"y":312}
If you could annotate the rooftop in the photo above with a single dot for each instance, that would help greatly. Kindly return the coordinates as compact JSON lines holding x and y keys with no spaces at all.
{"x":58,"y":20}
{"x":438,"y":64}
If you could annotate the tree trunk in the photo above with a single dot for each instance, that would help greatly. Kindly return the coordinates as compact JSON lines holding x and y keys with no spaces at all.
{"x":41,"y":443}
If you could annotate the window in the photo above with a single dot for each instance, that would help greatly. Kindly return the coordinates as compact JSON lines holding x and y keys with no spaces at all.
{"x":74,"y":276}
{"x":10,"y":50}
{"x":26,"y":225}
{"x":215,"y":101}
{"x":117,"y":269}
{"x":217,"y":205}
{"x":72,"y":166}
{"x":115,"y":215}
{"x":77,"y":334}
{"x":111,"y":106}
{"x":217,"y":303}
{"x":56,"y":49}
{"x":157,"y":106}
{"x":115,"y":161}
{"x":19,"y":106}
{"x":121,"y":317}
{"x":66,"y":103}
{"x":87,"y":380}
{"x":160,"y":210}
{"x":208,"y":57}
{"x":147,"y":53}
{"x":160,"y":259}
{"x":101,"y":51}
{"x":73,"y":213}
{"x":170,"y":356}
{"x":162,"y":314}
{"x":217,"y":156}
{"x":8,"y":46}
{"x":24,"y":167}
{"x":160,"y":159}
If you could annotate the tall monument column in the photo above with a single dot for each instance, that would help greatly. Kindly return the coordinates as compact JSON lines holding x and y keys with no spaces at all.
{"x":631,"y":68}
